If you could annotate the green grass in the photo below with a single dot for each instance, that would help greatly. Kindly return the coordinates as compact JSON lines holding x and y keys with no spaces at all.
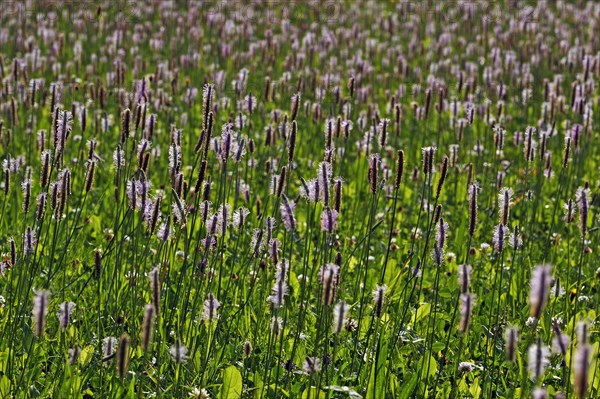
{"x":216,"y":322}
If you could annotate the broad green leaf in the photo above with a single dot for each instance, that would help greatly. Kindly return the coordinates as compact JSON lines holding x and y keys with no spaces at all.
{"x":86,"y":355}
{"x":4,"y":386}
{"x":475,"y":389}
{"x":232,"y":384}
{"x":131,"y":389}
{"x":437,"y":346}
{"x":408,"y":387}
{"x":432,"y":366}
{"x":422,"y":312}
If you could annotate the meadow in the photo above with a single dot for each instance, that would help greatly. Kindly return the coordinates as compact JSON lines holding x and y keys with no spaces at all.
{"x":313,"y":200}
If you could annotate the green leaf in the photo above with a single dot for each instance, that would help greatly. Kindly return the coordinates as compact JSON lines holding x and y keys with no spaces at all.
{"x":86,"y":355}
{"x":432,"y":366}
{"x":315,"y":393}
{"x":4,"y":386}
{"x":376,"y":387}
{"x":437,"y":346}
{"x":370,"y":387}
{"x":475,"y":388}
{"x":232,"y":384}
{"x":408,"y":387}
{"x":463,"y":387}
{"x":422,"y":312}
{"x":131,"y":389}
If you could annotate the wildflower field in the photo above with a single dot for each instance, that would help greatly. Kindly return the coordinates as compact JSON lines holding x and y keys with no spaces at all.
{"x":313,"y":200}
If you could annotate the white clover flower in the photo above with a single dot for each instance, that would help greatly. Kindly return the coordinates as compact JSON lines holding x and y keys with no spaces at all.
{"x":583,"y":298}
{"x":199,"y":393}
{"x":531,"y":321}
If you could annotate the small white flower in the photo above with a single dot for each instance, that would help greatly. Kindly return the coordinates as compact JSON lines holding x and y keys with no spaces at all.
{"x":583,"y":298}
{"x":530,"y":321}
{"x":199,"y":393}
